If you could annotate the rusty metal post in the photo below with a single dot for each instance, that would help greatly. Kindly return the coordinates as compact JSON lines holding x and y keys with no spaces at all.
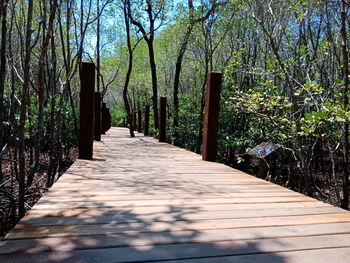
{"x":135,"y":120}
{"x":98,"y":116}
{"x":211,"y":116}
{"x":108,"y":120}
{"x":162,"y":119}
{"x":87,"y":111}
{"x":146,"y":129}
{"x":103,"y":118}
{"x":139,"y":119}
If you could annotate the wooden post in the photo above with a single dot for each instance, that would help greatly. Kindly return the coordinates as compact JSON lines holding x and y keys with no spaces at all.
{"x":108,"y":123}
{"x":139,"y":127}
{"x":146,"y":130}
{"x":98,"y":116}
{"x":87,"y":111}
{"x":106,"y":120}
{"x":124,"y":121}
{"x":162,"y":119}
{"x":135,"y":120}
{"x":103,"y":117}
{"x":262,"y":169}
{"x":211,"y":116}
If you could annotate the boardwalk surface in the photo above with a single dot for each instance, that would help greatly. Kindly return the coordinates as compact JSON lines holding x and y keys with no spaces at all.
{"x":143,"y":201}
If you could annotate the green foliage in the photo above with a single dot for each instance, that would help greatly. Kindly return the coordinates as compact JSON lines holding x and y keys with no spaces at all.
{"x":117,"y":115}
{"x":188,"y":120}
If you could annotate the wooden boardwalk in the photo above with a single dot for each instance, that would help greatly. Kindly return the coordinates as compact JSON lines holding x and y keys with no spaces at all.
{"x":144,"y":201}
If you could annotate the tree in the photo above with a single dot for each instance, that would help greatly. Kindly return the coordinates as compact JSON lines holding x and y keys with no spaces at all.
{"x":130,"y":116}
{"x":181,"y":52}
{"x":345,"y":130}
{"x":3,"y":17}
{"x":24,"y":108}
{"x":155,"y":11}
{"x":41,"y":81}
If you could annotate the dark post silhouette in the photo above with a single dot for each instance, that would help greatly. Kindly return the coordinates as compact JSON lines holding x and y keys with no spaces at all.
{"x":146,"y":130}
{"x":135,"y":120}
{"x":108,"y":122}
{"x":98,"y":116}
{"x":162,"y":119}
{"x":87,"y":111}
{"x":124,"y":122}
{"x":139,"y":119}
{"x":211,"y":116}
{"x":103,"y":117}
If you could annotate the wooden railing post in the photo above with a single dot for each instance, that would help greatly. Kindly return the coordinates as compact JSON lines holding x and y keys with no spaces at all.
{"x":135,"y":120}
{"x":87,"y":111}
{"x":211,"y":116}
{"x":106,"y":119}
{"x":98,"y":116}
{"x":162,"y":119}
{"x":146,"y":129}
{"x":139,"y":118}
{"x":103,"y":117}
{"x":108,"y":122}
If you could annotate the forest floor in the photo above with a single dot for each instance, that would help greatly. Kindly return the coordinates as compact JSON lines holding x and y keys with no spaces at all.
{"x":322,"y":188}
{"x":9,"y":187}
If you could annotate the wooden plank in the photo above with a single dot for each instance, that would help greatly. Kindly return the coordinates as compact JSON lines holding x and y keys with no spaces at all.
{"x":169,"y":185}
{"x":153,"y":178}
{"x":161,"y":195}
{"x":146,"y":239}
{"x":159,"y":187}
{"x":144,"y":190}
{"x":21,"y":232}
{"x":185,"y":196}
{"x":336,"y":255}
{"x":173,"y":202}
{"x":124,"y":216}
{"x":193,"y":250}
{"x":179,"y":209}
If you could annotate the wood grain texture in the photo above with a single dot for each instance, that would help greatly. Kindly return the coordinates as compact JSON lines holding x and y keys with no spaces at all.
{"x":140,"y":200}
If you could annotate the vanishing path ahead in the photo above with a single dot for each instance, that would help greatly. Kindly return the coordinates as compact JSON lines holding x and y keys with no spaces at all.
{"x":144,"y":201}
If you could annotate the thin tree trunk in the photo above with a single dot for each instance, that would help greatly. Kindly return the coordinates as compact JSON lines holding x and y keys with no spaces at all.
{"x":149,"y":37}
{"x":154,"y":82}
{"x":177,"y":81}
{"x":128,"y":73}
{"x":345,"y":199}
{"x":41,"y":91}
{"x":98,"y":48}
{"x":2,"y":75}
{"x":201,"y":114}
{"x":182,"y":50}
{"x":67,"y":61}
{"x":23,"y":113}
{"x":56,"y":144}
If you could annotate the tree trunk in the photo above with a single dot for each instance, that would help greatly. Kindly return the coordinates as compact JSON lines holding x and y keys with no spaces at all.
{"x":180,"y":56}
{"x":154,"y":82}
{"x":345,"y":131}
{"x":2,"y":75}
{"x":56,"y":121}
{"x":23,"y":113}
{"x":98,"y":48}
{"x":128,"y":73}
{"x":41,"y":91}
